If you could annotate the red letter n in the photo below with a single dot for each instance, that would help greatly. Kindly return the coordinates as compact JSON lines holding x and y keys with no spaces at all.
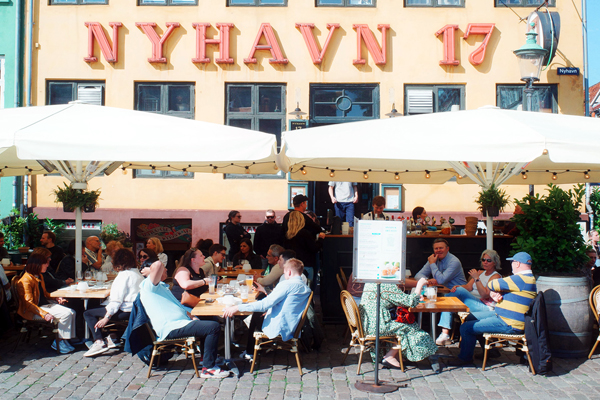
{"x":363,"y":33}
{"x":96,"y":31}
{"x":202,"y":41}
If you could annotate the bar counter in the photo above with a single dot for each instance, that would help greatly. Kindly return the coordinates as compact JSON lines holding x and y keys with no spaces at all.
{"x":337,"y":253}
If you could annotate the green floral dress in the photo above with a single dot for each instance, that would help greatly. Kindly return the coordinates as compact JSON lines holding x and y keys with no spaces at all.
{"x":416,"y":344}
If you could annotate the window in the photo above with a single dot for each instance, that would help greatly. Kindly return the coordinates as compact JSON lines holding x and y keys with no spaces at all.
{"x":545,"y":97}
{"x":423,"y":99}
{"x":345,"y":3}
{"x":259,"y":107}
{"x":62,"y":92}
{"x":434,"y":3}
{"x":335,"y":103}
{"x":257,"y":2}
{"x":175,"y":99}
{"x":168,"y":2}
{"x":57,"y":2}
{"x":2,"y":71}
{"x":523,"y":3}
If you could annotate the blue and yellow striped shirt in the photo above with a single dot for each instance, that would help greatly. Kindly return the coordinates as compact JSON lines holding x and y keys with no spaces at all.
{"x":517,"y":292}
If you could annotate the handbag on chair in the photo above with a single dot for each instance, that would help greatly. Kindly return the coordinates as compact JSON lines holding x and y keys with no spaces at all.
{"x":189,"y":300}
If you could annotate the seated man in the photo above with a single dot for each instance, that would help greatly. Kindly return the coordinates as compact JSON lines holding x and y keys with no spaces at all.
{"x":513,"y":294}
{"x":170,"y":320}
{"x":284,"y":306}
{"x":445,"y":269}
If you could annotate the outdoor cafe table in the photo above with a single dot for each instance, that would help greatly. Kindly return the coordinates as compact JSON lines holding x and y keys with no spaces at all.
{"x":234,"y":273}
{"x":91,"y":293}
{"x":215,"y":309}
{"x":14,"y":267}
{"x":443,"y":304}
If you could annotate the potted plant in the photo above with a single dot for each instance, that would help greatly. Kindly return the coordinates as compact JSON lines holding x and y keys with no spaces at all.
{"x":91,"y":200}
{"x":550,"y":234}
{"x":492,"y":200}
{"x":74,"y":198}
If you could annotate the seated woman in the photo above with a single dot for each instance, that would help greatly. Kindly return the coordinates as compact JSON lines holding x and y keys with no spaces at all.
{"x":246,"y":253}
{"x":475,"y":293}
{"x":145,"y":259}
{"x":123,"y":292}
{"x":156,"y":246}
{"x":50,"y":280}
{"x":189,"y":277}
{"x":66,"y":268}
{"x":416,"y":344}
{"x":35,"y":301}
{"x":111,"y":249}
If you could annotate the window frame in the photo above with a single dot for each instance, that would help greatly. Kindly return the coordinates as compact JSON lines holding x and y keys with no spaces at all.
{"x":2,"y":80}
{"x":75,"y":85}
{"x":257,"y":4}
{"x":345,"y":4}
{"x":79,"y":3}
{"x":553,"y":90}
{"x":500,"y":3}
{"x":164,"y":110}
{"x":315,"y":120}
{"x":167,"y":3}
{"x":255,"y":115}
{"x":435,"y":89}
{"x":434,"y":4}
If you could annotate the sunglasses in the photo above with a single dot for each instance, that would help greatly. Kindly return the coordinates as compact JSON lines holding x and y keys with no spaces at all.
{"x":486,"y":260}
{"x":270,"y":217}
{"x":142,"y":257}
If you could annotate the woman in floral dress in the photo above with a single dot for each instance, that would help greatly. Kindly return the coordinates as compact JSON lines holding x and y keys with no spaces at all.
{"x":416,"y":344}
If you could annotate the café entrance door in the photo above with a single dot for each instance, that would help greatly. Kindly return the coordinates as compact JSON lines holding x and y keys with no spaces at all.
{"x":321,"y":202}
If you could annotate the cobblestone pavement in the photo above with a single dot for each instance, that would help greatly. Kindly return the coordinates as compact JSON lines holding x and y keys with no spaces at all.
{"x":34,"y":371}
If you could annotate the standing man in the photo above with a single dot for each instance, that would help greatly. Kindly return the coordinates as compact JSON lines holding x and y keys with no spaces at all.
{"x":93,"y":250}
{"x":513,"y":294}
{"x":377,"y":213}
{"x":343,"y":196}
{"x":268,"y":233}
{"x":48,"y":240}
{"x":300,"y":203}
{"x":443,"y":268}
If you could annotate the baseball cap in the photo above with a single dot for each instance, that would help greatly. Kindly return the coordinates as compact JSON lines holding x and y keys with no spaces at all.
{"x":299,"y":199}
{"x":521,"y":257}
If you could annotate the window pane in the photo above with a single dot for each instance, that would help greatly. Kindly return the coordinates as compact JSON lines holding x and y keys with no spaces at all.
{"x":149,"y":98}
{"x":510,"y":97}
{"x":269,"y":99}
{"x":93,"y":1}
{"x":329,"y":96}
{"x":361,"y":2}
{"x":61,"y":93}
{"x":448,"y":2}
{"x":359,"y":95}
{"x":64,"y":2}
{"x":241,"y":123}
{"x":183,"y":1}
{"x":360,"y":110}
{"x":331,"y":2}
{"x":447,"y":97}
{"x":238,"y":2}
{"x":418,"y":2}
{"x":272,"y":126}
{"x":327,"y":110}
{"x":272,"y":2}
{"x":153,"y":1}
{"x":240,"y":99}
{"x":179,"y":98}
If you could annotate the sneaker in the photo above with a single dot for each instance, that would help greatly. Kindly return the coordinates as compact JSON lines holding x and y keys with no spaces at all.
{"x":68,"y":345}
{"x":246,"y":356}
{"x":63,"y":348}
{"x":443,"y":340}
{"x":214,"y":372}
{"x":111,"y":344}
{"x":96,"y":349}
{"x":76,"y":342}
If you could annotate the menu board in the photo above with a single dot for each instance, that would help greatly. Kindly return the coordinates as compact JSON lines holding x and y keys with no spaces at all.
{"x":379,"y":251}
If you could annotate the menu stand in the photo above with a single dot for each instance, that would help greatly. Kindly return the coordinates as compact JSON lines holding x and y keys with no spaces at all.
{"x":377,"y":386}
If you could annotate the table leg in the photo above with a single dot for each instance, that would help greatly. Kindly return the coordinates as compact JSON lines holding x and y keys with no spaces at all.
{"x":228,"y":338}
{"x":87,"y":328}
{"x":420,"y":320}
{"x":433,"y":325}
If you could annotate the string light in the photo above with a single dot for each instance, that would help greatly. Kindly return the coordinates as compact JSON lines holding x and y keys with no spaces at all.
{"x":523,"y":175}
{"x":545,"y":152}
{"x":397,"y":176}
{"x":153,"y":169}
{"x":554,"y":176}
{"x":586,"y":175}
{"x":247,"y":169}
{"x":365,"y":175}
{"x":124,"y":171}
{"x":1,"y":173}
{"x":185,"y":173}
{"x":459,"y":176}
{"x":214,"y":170}
{"x":303,"y":171}
{"x":427,"y":174}
{"x":332,"y":173}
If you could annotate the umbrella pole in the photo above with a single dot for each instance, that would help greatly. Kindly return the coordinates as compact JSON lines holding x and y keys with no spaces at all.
{"x":78,"y":227}
{"x":490,"y":232}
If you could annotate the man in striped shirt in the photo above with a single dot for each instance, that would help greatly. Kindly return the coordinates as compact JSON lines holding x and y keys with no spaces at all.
{"x":513,"y":294}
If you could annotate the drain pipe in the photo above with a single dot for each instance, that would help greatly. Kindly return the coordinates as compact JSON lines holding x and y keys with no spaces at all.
{"x":586,"y":83}
{"x":18,"y":69}
{"x":30,"y":53}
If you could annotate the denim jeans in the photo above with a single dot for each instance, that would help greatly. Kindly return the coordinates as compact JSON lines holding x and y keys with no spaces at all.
{"x":476,"y":307}
{"x":92,"y":316}
{"x":207,"y":330}
{"x":473,"y":327}
{"x":345,"y":211}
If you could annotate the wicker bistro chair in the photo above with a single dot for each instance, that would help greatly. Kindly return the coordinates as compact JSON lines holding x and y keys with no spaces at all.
{"x":27,"y":325}
{"x":493,"y":339}
{"x":343,"y":278}
{"x":262,"y":341}
{"x":358,"y":337}
{"x":594,"y":294}
{"x":186,"y":345}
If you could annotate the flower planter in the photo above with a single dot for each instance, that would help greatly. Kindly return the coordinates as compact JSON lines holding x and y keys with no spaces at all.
{"x":491,"y":211}
{"x":67,"y":208}
{"x":89,"y":208}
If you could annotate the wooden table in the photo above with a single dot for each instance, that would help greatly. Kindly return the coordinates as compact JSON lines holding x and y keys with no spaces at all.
{"x":76,"y":294}
{"x":443,"y":304}
{"x":234,"y":273}
{"x":14,"y":267}
{"x":215,"y":309}
{"x":10,"y":274}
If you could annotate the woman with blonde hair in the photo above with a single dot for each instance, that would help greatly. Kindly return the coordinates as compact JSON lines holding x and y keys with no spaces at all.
{"x":111,"y":249}
{"x":155,"y":245}
{"x":305,"y":244}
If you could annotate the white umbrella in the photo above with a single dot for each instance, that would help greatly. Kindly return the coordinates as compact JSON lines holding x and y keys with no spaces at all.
{"x":484,"y":146}
{"x":82,"y":141}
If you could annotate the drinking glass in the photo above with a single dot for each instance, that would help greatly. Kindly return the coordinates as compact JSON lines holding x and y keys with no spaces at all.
{"x":432,"y":294}
{"x":212,"y":283}
{"x":229,"y":265}
{"x":220,"y":289}
{"x":244,"y":293}
{"x":87,"y":275}
{"x":249,"y":281}
{"x":78,"y":276}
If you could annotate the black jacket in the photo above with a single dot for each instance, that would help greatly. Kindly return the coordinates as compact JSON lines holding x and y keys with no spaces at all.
{"x":266,"y":235}
{"x":536,"y":333}
{"x":306,"y":246}
{"x":235,"y":233}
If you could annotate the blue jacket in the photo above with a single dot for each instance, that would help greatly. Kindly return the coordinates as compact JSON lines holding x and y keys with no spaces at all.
{"x":137,"y":338}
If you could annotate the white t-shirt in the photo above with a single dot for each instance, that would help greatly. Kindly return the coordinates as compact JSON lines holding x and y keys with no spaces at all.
{"x":343,"y":191}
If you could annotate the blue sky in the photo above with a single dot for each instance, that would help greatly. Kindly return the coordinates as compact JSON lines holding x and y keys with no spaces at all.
{"x":593,"y":18}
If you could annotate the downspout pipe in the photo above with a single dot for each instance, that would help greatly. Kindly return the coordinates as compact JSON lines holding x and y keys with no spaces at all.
{"x":29,"y":53}
{"x":586,"y":83}
{"x":18,"y":85}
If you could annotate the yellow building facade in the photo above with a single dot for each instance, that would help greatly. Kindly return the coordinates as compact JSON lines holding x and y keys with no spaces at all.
{"x":375,"y":56}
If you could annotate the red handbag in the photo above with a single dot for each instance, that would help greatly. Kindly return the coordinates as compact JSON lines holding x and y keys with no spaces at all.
{"x":404,"y":316}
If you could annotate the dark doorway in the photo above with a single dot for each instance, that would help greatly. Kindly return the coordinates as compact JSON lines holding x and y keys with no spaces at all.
{"x":321,"y":202}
